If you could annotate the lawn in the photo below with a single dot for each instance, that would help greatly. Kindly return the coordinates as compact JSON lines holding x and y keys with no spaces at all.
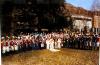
{"x":45,"y":57}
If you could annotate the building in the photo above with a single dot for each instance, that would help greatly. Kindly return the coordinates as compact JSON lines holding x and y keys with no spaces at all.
{"x":84,"y":18}
{"x":30,"y":16}
{"x":96,"y":22}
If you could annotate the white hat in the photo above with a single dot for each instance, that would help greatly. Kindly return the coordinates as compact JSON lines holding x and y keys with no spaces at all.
{"x":2,"y":37}
{"x":13,"y":36}
{"x":7,"y":36}
{"x":18,"y":37}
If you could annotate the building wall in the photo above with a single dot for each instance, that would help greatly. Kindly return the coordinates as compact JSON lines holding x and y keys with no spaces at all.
{"x":96,"y":21}
{"x":94,"y":15}
{"x":81,"y":21}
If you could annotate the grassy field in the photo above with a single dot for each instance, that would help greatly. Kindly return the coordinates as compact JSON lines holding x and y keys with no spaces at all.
{"x":46,"y":57}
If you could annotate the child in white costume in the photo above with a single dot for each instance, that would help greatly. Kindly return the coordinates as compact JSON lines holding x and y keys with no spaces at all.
{"x":47,"y":44}
{"x":51,"y":43}
{"x":59,"y":42}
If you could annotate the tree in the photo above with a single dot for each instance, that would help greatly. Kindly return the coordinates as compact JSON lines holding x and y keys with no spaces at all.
{"x":49,"y":14}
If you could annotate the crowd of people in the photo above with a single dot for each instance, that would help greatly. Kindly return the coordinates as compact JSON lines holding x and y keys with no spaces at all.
{"x":50,"y":41}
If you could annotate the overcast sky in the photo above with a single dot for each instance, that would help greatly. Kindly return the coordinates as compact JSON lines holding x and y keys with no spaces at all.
{"x":86,"y":4}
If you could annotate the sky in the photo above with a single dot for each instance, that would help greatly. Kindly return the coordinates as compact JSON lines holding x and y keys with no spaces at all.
{"x":86,"y":4}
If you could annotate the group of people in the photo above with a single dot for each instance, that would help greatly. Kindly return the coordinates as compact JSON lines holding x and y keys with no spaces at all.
{"x":51,"y":41}
{"x":80,"y":41}
{"x":34,"y":41}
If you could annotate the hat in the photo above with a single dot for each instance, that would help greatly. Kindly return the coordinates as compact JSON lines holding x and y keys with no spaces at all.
{"x":18,"y":37}
{"x":7,"y":37}
{"x":2,"y":37}
{"x":13,"y":36}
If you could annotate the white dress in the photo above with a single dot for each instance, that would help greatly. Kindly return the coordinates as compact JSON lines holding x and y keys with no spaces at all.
{"x":51,"y":44}
{"x":4,"y":49}
{"x":47,"y":44}
{"x":59,"y":43}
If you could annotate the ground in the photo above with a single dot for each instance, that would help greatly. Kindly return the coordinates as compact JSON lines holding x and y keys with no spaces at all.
{"x":45,"y":57}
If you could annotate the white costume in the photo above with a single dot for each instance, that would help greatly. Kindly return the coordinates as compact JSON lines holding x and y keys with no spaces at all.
{"x":47,"y":44}
{"x":51,"y":44}
{"x":59,"y":43}
{"x":4,"y":49}
{"x":98,"y":42}
{"x":7,"y":47}
{"x":56,"y":44}
{"x":16,"y":45}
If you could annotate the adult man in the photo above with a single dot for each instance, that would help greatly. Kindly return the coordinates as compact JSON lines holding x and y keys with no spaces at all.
{"x":8,"y":45}
{"x":11,"y":45}
{"x":20,"y":43}
{"x":3,"y":46}
{"x":56,"y":42}
{"x":33,"y":42}
{"x":16,"y":44}
{"x":98,"y":41}
{"x":43,"y":41}
{"x":93,"y":42}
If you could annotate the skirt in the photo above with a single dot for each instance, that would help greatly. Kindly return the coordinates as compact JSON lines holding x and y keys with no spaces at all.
{"x":98,"y":44}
